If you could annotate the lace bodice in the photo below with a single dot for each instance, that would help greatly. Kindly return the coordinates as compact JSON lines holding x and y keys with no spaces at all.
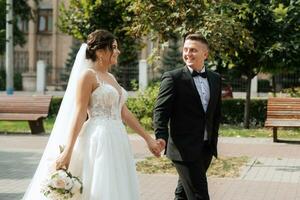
{"x":106,"y":102}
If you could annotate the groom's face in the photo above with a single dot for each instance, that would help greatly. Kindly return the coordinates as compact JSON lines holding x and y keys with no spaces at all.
{"x":194,"y":54}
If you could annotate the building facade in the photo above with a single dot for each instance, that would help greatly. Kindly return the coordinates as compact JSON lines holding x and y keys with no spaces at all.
{"x":44,"y":42}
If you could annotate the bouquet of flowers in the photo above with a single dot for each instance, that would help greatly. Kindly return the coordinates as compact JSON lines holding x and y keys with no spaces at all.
{"x":61,"y":185}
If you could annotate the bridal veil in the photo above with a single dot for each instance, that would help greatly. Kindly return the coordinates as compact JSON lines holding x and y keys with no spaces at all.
{"x":61,"y":127}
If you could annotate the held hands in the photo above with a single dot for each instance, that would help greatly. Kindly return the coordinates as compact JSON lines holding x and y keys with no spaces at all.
{"x":161,"y":143}
{"x":156,"y":146}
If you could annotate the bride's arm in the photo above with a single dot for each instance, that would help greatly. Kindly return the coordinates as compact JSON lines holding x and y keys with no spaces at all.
{"x":83,"y":92}
{"x":134,"y":124}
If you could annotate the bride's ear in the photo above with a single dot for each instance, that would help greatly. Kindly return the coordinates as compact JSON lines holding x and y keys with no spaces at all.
{"x":99,"y":54}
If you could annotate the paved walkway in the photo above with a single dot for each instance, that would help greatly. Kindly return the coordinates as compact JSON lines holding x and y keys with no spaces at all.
{"x":273,"y":172}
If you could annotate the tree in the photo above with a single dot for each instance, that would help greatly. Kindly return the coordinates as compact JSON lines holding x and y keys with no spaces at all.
{"x":72,"y":55}
{"x":213,"y":20}
{"x":245,"y":35}
{"x":284,"y":54}
{"x":164,"y":19}
{"x":270,"y":36}
{"x":22,"y":11}
{"x":172,"y":59}
{"x":64,"y":75}
{"x":82,"y":17}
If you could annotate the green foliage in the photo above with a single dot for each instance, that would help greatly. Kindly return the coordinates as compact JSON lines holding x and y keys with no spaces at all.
{"x":293,"y":92}
{"x":21,"y":10}
{"x":233,"y":111}
{"x":274,"y":29}
{"x":167,"y":18}
{"x":80,"y":18}
{"x":17,"y":80}
{"x":143,"y":104}
{"x":54,"y":106}
{"x":250,"y":36}
{"x":263,"y":85}
{"x":72,"y":55}
{"x":69,"y":63}
{"x":2,"y":79}
{"x":285,"y":52}
{"x":18,"y":85}
{"x":172,"y":59}
{"x":142,"y":107}
{"x":2,"y":26}
{"x":272,"y":39}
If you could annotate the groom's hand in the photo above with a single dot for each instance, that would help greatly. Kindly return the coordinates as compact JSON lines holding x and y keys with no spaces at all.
{"x":153,"y":146}
{"x":161,"y":143}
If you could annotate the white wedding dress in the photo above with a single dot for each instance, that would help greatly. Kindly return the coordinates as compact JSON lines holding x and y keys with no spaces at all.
{"x":102,"y":155}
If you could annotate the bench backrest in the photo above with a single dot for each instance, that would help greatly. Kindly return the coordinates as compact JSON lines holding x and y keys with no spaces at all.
{"x":283,"y":108}
{"x":25,"y":104}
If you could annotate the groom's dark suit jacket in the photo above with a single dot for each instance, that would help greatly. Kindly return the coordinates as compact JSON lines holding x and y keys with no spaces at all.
{"x":179,"y":117}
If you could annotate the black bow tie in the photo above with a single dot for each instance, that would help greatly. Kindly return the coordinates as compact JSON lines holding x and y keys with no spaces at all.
{"x":202,"y":74}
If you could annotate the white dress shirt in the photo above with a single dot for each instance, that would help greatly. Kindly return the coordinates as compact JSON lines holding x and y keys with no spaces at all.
{"x":203,"y":91}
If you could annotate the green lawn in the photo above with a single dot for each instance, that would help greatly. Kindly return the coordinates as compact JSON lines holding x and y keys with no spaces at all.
{"x":225,"y":130}
{"x":238,"y":131}
{"x":221,"y":167}
{"x":22,"y":126}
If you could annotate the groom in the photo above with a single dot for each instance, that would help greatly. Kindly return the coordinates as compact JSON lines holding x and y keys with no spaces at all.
{"x":189,"y":103}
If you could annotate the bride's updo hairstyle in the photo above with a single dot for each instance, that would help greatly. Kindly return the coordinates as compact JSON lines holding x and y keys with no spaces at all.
{"x":99,"y":39}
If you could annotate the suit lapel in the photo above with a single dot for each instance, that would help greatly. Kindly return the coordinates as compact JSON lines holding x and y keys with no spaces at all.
{"x":188,"y":77}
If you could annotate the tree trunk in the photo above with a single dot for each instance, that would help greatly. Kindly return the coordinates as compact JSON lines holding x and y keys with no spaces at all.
{"x":247,"y":103}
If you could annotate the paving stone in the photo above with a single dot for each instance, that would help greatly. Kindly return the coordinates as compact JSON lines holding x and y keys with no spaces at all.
{"x":273,"y":171}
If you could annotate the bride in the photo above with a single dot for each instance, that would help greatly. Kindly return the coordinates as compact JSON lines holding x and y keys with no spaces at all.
{"x":97,"y":150}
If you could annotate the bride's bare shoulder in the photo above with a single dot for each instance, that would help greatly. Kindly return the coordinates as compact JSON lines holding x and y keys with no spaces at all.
{"x":88,"y":75}
{"x":87,"y":79}
{"x":112,"y":76}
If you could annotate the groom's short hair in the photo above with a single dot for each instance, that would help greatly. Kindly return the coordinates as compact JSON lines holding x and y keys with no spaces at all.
{"x":197,"y":37}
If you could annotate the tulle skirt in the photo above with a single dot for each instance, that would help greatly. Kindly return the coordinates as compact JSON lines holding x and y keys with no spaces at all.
{"x":103,"y":159}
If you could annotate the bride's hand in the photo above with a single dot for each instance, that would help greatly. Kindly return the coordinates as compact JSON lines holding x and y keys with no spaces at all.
{"x":63,"y":160}
{"x":153,"y":147}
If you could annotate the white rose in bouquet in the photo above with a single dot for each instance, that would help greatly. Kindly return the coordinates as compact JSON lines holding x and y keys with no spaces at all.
{"x":68,"y":183}
{"x":58,"y":179}
{"x":61,"y":185}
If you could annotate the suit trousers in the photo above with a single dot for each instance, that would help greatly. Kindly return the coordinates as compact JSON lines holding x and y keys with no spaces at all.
{"x":192,"y":182}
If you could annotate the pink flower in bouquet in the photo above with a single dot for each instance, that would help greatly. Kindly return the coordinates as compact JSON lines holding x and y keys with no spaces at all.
{"x":61,"y":185}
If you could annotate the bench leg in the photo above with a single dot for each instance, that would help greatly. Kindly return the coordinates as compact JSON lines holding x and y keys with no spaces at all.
{"x":37,"y":126}
{"x":275,"y":139}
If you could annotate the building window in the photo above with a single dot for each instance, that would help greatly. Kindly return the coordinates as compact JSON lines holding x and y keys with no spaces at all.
{"x":21,"y":61}
{"x":46,"y":56}
{"x":45,"y":21}
{"x":22,"y":25}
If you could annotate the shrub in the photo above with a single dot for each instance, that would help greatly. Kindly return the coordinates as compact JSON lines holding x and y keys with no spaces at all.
{"x":293,"y":92}
{"x":54,"y":106}
{"x":233,"y":111}
{"x":2,"y":80}
{"x":142,"y":107}
{"x":17,"y":80}
{"x":263,"y":85}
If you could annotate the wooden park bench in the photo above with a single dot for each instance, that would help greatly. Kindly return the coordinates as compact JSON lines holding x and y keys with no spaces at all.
{"x":25,"y":108}
{"x":282,"y":112}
